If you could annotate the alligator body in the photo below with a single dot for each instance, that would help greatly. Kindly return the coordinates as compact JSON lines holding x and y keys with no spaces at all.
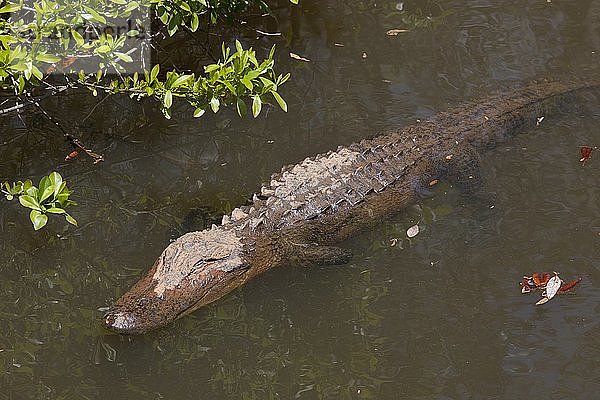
{"x":299,"y":216}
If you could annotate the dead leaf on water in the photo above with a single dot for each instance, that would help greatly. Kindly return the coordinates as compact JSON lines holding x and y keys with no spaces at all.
{"x":396,"y":32}
{"x":297,"y":57}
{"x":412,"y":231}
{"x":552,"y":286}
{"x":586,"y":153}
{"x":541,"y":301}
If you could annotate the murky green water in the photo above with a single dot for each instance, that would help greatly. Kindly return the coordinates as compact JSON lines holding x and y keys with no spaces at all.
{"x":439,"y":317}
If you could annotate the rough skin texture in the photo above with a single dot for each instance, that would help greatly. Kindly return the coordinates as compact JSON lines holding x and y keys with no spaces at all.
{"x":307,"y":208}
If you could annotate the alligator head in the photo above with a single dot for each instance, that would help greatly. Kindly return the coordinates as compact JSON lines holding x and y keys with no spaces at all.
{"x":194,"y":270}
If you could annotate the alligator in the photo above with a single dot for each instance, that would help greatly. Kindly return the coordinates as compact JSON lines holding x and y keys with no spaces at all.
{"x":306,"y":209}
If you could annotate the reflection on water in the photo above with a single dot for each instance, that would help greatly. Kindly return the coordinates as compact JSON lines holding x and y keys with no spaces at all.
{"x":439,"y":316}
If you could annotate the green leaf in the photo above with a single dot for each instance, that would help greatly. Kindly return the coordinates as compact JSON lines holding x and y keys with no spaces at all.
{"x":29,"y":202}
{"x":47,"y":58}
{"x":77,"y":36}
{"x":102,"y":49}
{"x":38,"y":219}
{"x":280,"y":100}
{"x":131,"y":6}
{"x":214,"y":104}
{"x":95,"y":17}
{"x":154,"y":72}
{"x":168,"y":100}
{"x":256,"y":106}
{"x":123,"y":56}
{"x":70,"y":219}
{"x":21,"y":81}
{"x":179,"y":81}
{"x":241,"y":107}
{"x":48,"y":191}
{"x":185,"y":6}
{"x":246,"y":82}
{"x":57,"y":182}
{"x":37,"y":73}
{"x":54,"y":210}
{"x":44,"y":183}
{"x":10,"y":8}
{"x":199,"y":112}
{"x":195,"y":22}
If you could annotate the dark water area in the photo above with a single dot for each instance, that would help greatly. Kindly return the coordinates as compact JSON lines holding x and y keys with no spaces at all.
{"x":439,"y":316}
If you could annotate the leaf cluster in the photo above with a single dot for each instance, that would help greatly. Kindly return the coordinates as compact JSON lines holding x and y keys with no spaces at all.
{"x":49,"y":34}
{"x":176,"y":15}
{"x":51,"y":196}
{"x":237,"y":76}
{"x":43,"y":33}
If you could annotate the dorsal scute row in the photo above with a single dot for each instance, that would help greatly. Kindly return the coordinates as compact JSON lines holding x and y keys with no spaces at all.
{"x":334,"y":179}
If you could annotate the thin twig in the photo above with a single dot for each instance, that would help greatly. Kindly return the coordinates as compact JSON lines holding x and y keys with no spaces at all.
{"x":75,"y":142}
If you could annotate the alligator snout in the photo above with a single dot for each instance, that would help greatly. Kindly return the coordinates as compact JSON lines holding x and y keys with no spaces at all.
{"x":122,"y":322}
{"x":196,"y":269}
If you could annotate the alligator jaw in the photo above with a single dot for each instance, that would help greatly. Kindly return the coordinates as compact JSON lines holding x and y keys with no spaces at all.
{"x":141,"y":310}
{"x":196,"y":269}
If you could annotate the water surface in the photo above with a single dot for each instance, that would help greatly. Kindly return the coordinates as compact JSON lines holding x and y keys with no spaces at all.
{"x":436,"y":317}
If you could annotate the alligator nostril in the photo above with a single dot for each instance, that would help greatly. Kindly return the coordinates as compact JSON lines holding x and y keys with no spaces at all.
{"x":118,"y":321}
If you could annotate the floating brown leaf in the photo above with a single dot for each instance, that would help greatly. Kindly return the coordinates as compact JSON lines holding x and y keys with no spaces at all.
{"x":568,"y":286}
{"x":72,"y":154}
{"x":586,"y":153}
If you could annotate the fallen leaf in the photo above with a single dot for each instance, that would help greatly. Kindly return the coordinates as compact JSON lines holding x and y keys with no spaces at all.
{"x":396,"y":32}
{"x":568,"y":286}
{"x":72,"y":155}
{"x":364,"y":55}
{"x":552,"y":286}
{"x":540,"y":279}
{"x":300,"y":58}
{"x":412,"y":231}
{"x":541,"y":301}
{"x":586,"y":153}
{"x":433,"y":182}
{"x":525,"y":287}
{"x":449,"y":157}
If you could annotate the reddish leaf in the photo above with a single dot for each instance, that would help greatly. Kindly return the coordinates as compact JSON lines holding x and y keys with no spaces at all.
{"x":568,"y":286}
{"x":540,"y":279}
{"x":586,"y":153}
{"x":525,"y":288}
{"x":72,"y":155}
